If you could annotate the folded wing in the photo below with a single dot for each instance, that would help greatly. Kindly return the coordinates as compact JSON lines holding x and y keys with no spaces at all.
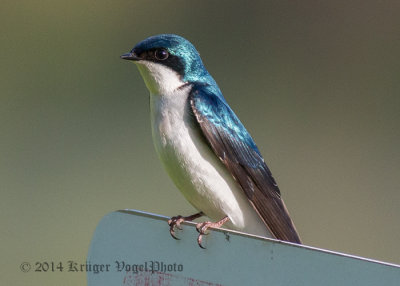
{"x":236,"y":149}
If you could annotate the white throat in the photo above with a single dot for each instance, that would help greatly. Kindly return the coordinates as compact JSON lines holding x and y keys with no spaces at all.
{"x":158,"y":78}
{"x":188,"y":159}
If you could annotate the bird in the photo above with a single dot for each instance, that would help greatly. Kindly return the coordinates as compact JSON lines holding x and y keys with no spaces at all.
{"x":205,"y":149}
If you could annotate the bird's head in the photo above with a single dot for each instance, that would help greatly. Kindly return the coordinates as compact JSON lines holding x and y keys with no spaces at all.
{"x":166,"y":62}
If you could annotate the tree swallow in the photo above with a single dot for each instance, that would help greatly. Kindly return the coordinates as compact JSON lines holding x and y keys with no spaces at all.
{"x":204,"y":147}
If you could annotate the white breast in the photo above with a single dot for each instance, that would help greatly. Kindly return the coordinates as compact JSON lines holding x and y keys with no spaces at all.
{"x":195,"y":169}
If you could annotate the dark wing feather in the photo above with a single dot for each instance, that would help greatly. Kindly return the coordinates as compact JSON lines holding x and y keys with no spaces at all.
{"x":234,"y":146}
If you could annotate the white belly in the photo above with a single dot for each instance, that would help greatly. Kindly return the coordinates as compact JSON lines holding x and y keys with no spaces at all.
{"x":196,"y":171}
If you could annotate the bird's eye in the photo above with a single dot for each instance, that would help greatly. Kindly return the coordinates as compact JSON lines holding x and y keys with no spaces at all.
{"x":161,"y":54}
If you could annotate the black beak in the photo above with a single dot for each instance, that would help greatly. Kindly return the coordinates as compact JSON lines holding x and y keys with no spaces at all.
{"x":131,"y":56}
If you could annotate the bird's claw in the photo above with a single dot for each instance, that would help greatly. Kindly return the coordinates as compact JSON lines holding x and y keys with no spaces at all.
{"x":204,"y":226}
{"x":175,"y":222}
{"x":199,"y":241}
{"x":201,"y":229}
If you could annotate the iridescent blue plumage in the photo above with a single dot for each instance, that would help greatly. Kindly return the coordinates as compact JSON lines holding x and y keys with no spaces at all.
{"x":217,"y":111}
{"x":215,"y":123}
{"x":231,"y":142}
{"x":182,"y":49}
{"x":214,"y":105}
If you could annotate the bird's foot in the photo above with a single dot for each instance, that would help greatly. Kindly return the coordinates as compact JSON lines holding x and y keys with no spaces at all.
{"x":204,"y":226}
{"x":176,"y":221}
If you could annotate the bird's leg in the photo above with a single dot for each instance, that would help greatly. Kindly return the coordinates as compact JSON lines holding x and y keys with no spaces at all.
{"x":204,"y":226}
{"x":176,"y":221}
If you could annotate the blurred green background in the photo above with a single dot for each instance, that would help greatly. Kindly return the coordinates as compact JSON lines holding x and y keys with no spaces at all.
{"x":316,"y":84}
